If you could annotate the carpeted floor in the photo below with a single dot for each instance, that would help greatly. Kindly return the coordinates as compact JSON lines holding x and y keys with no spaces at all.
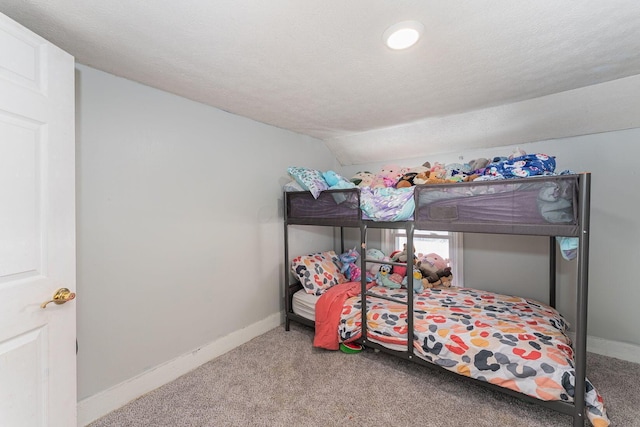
{"x":279,"y":379}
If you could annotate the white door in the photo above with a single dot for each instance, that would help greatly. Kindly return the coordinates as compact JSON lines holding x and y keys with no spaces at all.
{"x":37,"y":231}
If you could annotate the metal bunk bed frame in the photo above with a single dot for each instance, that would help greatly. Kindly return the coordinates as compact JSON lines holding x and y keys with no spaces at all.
{"x":575,"y":409}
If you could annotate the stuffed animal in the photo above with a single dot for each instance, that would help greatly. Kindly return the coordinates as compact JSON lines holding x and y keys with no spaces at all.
{"x":421,"y":178}
{"x":383,"y":277}
{"x":377,"y":254}
{"x":426,"y":166}
{"x":406,"y":180}
{"x":517,"y":152}
{"x":478,"y":164}
{"x":401,"y":256}
{"x":336,"y":181}
{"x":453,"y":169}
{"x":388,"y":176}
{"x":429,"y":273}
{"x":434,"y":260}
{"x":363,"y":179}
{"x":430,"y":264}
{"x":418,"y":286}
{"x":437,"y":171}
{"x":349,"y":267}
{"x":446,"y":277}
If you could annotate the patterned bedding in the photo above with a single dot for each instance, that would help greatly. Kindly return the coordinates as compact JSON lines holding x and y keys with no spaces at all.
{"x":509,"y":341}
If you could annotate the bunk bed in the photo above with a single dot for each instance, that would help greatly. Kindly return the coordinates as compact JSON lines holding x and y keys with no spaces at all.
{"x":556,"y":205}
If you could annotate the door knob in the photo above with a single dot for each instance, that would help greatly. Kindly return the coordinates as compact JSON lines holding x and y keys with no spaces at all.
{"x":61,"y":296}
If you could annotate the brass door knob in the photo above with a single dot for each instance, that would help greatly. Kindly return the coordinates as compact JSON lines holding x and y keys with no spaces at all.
{"x":61,"y":296}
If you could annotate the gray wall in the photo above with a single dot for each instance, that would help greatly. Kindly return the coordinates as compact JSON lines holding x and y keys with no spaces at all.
{"x":518,"y":264}
{"x":180,"y":236}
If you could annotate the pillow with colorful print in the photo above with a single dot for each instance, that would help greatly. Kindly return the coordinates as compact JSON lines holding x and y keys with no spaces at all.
{"x":318,"y":272}
{"x":309,"y":179}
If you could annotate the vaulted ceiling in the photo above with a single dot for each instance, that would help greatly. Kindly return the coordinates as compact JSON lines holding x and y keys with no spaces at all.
{"x":485,"y":73}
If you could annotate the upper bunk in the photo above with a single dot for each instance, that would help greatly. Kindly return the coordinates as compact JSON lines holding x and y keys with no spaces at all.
{"x":548,"y":205}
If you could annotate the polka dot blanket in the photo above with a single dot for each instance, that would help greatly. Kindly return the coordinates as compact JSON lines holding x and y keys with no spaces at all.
{"x":509,"y":341}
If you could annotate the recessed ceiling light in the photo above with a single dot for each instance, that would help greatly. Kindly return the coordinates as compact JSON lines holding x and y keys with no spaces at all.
{"x":403,"y":34}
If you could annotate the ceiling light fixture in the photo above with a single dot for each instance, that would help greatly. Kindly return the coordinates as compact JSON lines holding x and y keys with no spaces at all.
{"x":403,"y":34}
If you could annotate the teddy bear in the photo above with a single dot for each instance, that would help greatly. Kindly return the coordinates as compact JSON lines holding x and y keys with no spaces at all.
{"x":401,"y":256}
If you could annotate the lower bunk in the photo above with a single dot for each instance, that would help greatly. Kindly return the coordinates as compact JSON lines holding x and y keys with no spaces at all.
{"x":505,"y":341}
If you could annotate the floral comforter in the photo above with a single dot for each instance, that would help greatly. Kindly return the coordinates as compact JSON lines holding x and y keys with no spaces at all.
{"x":509,"y":341}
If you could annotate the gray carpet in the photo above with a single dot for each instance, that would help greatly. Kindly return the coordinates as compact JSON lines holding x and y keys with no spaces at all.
{"x":279,"y":379}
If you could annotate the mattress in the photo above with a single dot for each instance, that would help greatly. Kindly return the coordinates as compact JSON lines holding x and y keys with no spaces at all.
{"x":509,"y":341}
{"x":304,"y":304}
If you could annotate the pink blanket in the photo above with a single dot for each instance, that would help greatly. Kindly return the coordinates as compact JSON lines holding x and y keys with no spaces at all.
{"x":328,"y":310}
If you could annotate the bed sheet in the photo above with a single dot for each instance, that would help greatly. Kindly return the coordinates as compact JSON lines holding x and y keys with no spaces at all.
{"x":509,"y":341}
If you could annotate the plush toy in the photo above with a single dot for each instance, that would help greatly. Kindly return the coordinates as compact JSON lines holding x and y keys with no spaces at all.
{"x":478,"y":164}
{"x":437,"y":171}
{"x":435,"y":180}
{"x":434,"y":260}
{"x":429,"y":265}
{"x":418,"y":286}
{"x":426,"y":166}
{"x":377,"y":254}
{"x":429,"y":273}
{"x":400,"y":256}
{"x":453,"y":169}
{"x":349,"y":267}
{"x":336,"y":181}
{"x":406,"y":180}
{"x":446,"y":277}
{"x":363,"y":179}
{"x":388,"y":176}
{"x":517,"y":152}
{"x":421,"y":178}
{"x":383,"y":277}
{"x":409,"y":178}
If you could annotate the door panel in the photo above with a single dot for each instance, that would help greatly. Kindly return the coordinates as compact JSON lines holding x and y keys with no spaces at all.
{"x":37,"y":230}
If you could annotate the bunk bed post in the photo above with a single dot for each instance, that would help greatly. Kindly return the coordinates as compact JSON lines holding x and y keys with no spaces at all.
{"x":410,"y":314}
{"x":287,"y":299}
{"x":580,"y":345}
{"x":552,"y":271}
{"x":363,"y":282}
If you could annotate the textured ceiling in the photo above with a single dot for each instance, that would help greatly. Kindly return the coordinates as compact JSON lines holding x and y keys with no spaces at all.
{"x":486,"y":72}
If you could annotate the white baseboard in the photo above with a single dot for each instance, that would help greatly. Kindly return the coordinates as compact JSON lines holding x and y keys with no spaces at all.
{"x":100,"y":404}
{"x":617,"y":349}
